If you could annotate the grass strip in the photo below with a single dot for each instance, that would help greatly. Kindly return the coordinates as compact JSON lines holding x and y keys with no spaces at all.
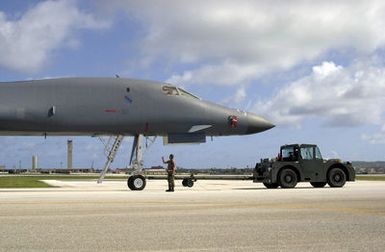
{"x":372,"y":178}
{"x":20,"y":181}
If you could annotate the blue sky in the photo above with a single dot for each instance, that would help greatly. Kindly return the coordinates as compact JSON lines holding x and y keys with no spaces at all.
{"x":315,"y":69}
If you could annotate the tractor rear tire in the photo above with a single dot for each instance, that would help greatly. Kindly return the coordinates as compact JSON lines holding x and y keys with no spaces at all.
{"x":336,"y":177}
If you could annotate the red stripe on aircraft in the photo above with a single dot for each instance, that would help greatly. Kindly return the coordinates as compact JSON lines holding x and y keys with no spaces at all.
{"x":111,"y":110}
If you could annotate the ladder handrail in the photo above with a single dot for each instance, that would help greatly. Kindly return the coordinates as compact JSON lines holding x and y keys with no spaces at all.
{"x":111,"y":156}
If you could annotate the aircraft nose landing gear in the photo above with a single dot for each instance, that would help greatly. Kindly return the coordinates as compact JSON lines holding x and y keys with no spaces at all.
{"x":136,"y":182}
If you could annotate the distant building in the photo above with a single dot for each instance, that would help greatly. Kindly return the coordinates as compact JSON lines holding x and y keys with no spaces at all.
{"x":121,"y":170}
{"x":155,"y":170}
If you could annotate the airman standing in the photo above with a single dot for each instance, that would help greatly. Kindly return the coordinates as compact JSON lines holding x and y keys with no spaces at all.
{"x":171,"y":170}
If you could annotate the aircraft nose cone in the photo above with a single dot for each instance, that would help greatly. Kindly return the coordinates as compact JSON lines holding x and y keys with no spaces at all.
{"x":258,"y":124}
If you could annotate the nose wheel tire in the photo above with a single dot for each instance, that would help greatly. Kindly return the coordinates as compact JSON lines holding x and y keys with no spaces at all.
{"x":288,"y":178}
{"x":136,"y":182}
{"x":336,"y":177}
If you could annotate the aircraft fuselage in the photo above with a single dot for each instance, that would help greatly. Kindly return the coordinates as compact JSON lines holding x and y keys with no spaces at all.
{"x":106,"y":106}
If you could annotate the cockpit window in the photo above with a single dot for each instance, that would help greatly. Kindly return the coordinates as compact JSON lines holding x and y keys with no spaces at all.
{"x":172,"y":90}
{"x":187,"y":94}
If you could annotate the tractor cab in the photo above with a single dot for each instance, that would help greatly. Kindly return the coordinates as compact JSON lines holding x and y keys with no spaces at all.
{"x":296,"y":152}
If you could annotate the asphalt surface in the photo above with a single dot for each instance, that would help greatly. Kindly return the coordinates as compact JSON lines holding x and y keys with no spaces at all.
{"x":211,"y":216}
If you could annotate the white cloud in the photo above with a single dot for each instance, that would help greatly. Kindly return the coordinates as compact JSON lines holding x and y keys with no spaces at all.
{"x":376,"y":138}
{"x":232,"y":42}
{"x":27,"y":43}
{"x":326,"y":69}
{"x":240,"y":95}
{"x":226,"y":74}
{"x":236,"y":98}
{"x":340,"y":96}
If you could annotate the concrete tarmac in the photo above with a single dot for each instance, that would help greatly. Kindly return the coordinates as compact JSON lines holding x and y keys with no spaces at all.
{"x":211,"y":216}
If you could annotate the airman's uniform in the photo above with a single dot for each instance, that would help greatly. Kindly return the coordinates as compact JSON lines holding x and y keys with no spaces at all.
{"x":171,"y":170}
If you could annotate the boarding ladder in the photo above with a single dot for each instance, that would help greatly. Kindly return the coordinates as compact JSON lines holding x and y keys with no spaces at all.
{"x":111,"y":156}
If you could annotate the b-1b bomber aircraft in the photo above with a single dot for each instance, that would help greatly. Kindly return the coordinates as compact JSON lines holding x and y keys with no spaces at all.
{"x":118,"y":107}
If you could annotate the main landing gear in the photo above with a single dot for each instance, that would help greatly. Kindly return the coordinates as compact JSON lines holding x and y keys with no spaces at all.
{"x":136,"y":181}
